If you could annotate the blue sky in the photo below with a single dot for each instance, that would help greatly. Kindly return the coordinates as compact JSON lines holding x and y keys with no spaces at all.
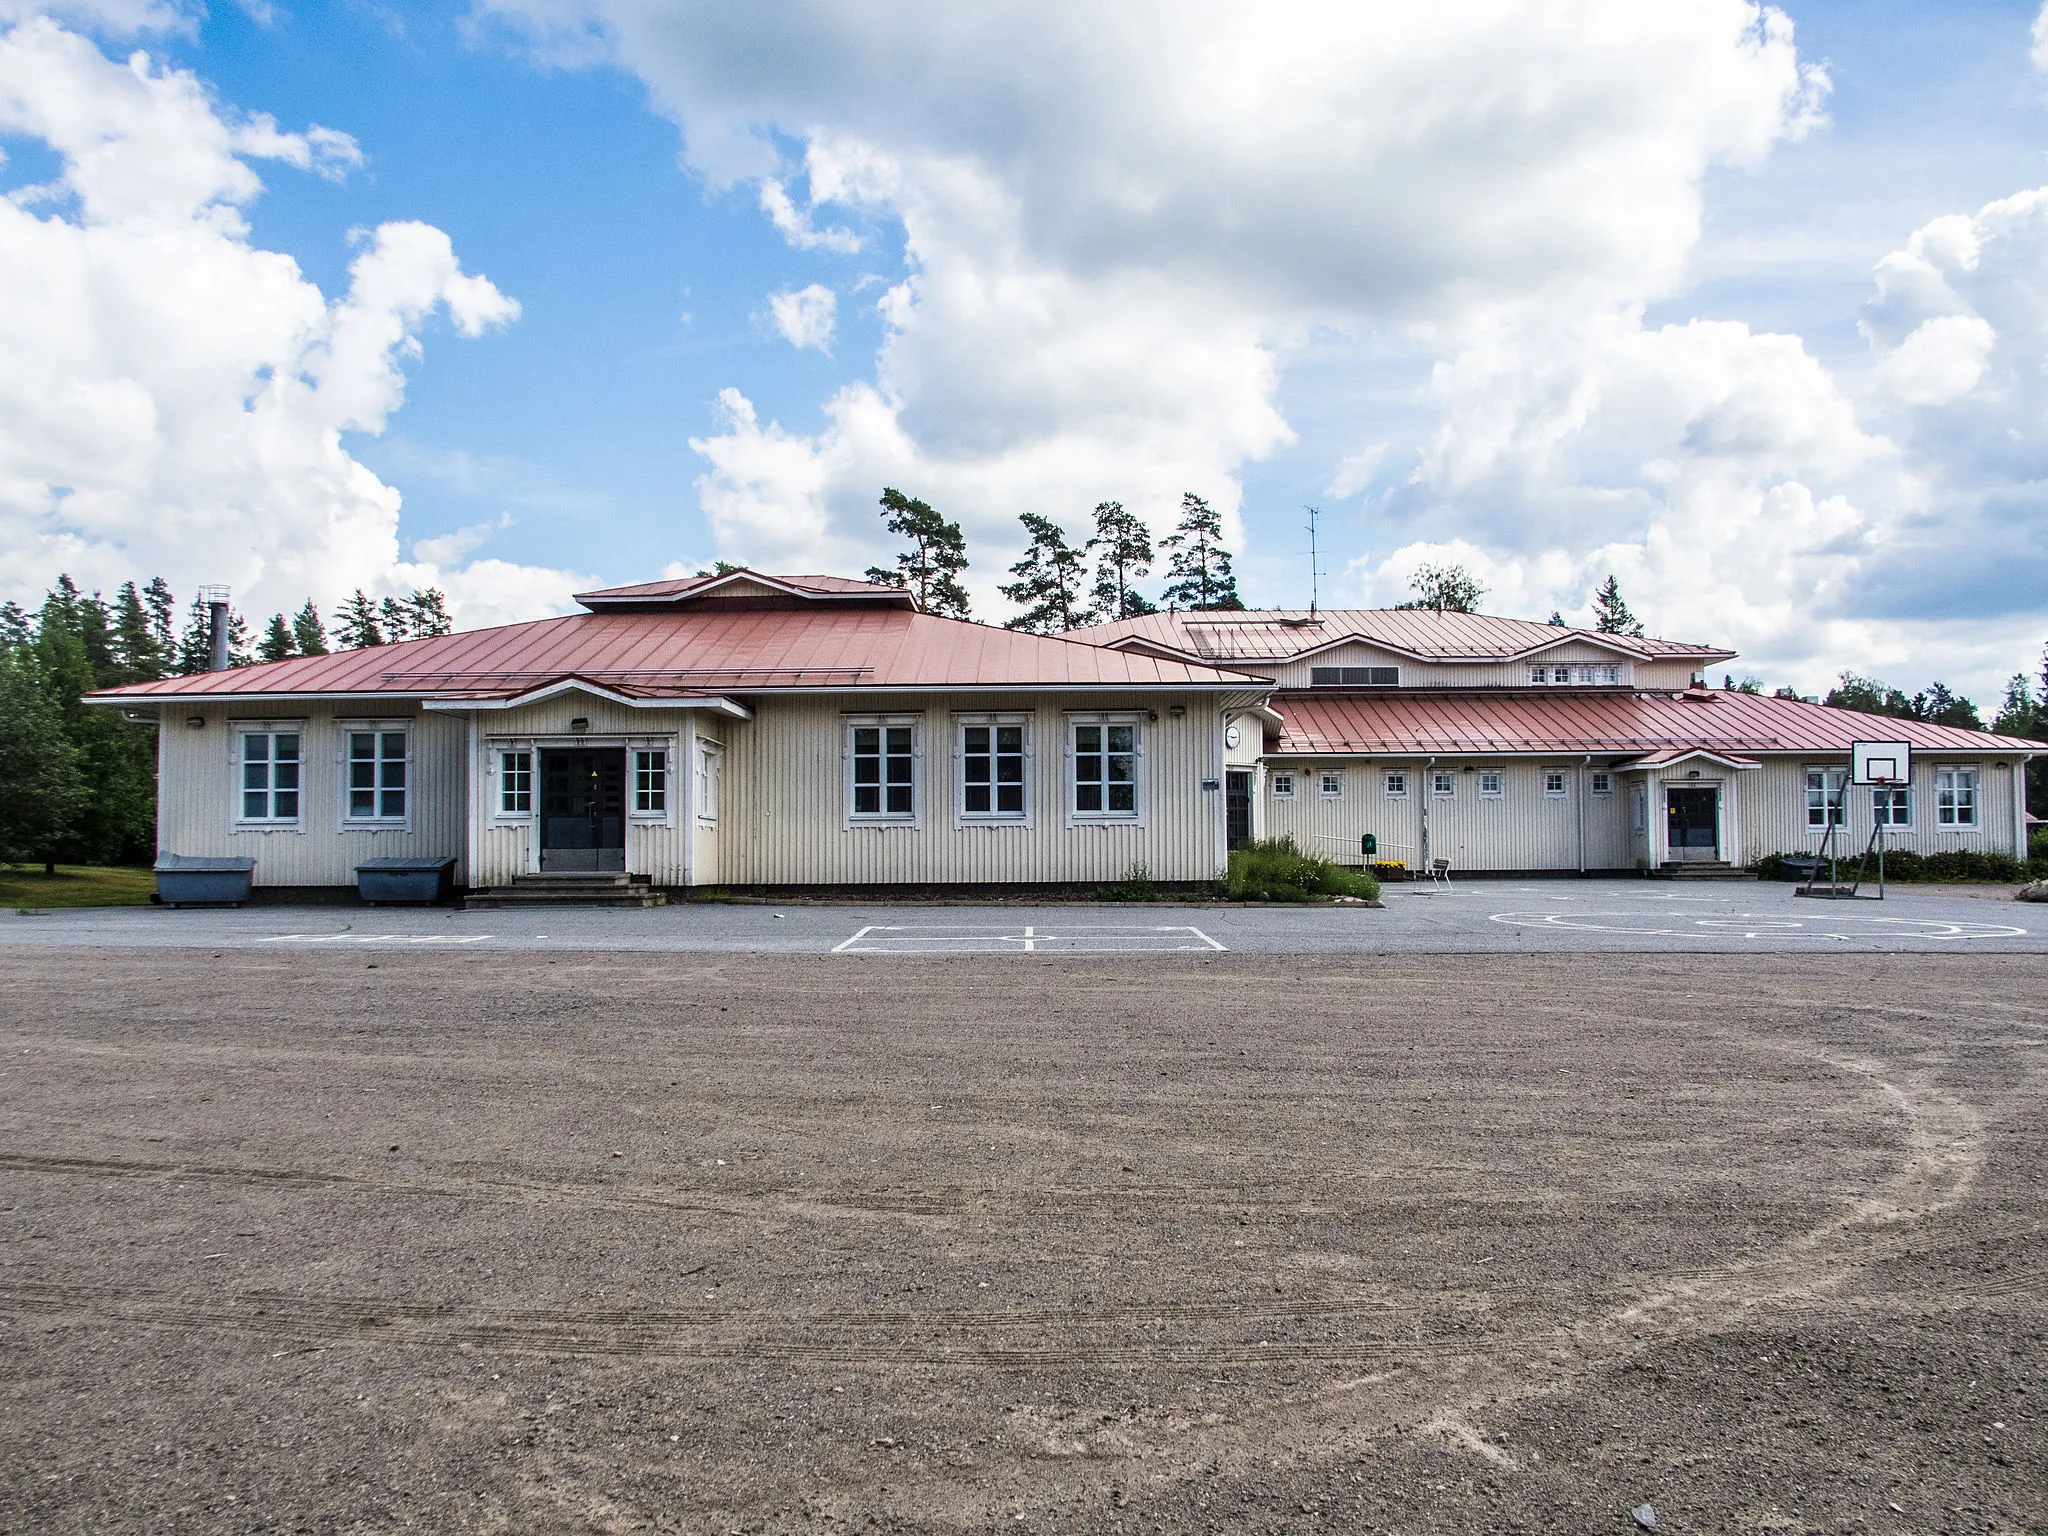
{"x":588,"y":182}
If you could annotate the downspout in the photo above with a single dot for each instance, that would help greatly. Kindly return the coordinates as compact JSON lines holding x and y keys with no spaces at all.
{"x":1422,"y":793}
{"x":473,"y":840}
{"x":1585,"y":767}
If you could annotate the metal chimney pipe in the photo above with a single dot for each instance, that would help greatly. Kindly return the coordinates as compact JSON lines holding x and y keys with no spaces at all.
{"x":216,"y":600}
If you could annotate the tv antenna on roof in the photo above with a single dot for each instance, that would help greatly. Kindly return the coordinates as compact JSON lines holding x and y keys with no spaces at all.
{"x":1313,"y":572}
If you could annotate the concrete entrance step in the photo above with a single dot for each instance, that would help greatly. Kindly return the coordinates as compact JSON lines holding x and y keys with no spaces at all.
{"x":1718,"y":869}
{"x":569,"y":891}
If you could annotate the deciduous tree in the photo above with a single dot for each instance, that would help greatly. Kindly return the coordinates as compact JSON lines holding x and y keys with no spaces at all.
{"x":1445,"y":589}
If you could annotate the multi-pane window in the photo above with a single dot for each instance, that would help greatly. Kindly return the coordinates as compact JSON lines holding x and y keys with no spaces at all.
{"x":1891,"y":807}
{"x":1955,"y":797}
{"x":707,"y":782}
{"x":1443,"y":785}
{"x":1603,"y":783}
{"x":1105,"y":769}
{"x":992,"y":770}
{"x":515,"y":783}
{"x":883,"y":762}
{"x":1331,"y":784}
{"x":1553,"y":784}
{"x":1826,"y":794}
{"x":1283,"y":786}
{"x":1490,"y":783}
{"x":270,"y":776}
{"x":1591,"y":676}
{"x":1354,"y":677}
{"x":650,"y":783}
{"x":1397,"y":786}
{"x":377,"y":777}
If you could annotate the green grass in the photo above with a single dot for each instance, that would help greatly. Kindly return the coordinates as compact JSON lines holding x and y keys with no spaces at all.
{"x":74,"y":885}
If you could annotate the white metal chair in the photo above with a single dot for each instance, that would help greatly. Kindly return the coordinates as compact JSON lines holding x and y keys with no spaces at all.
{"x":1438,"y":870}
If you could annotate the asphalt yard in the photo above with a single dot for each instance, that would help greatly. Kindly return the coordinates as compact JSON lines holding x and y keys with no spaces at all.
{"x":405,"y":1228}
{"x":1546,"y":916}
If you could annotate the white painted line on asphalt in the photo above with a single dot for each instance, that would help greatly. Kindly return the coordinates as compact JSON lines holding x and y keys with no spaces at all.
{"x":1842,"y":927}
{"x":376,"y":938}
{"x":1026,"y":939}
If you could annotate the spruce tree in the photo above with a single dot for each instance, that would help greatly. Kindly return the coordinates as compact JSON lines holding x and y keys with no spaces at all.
{"x":138,"y":658}
{"x":14,"y":630}
{"x":195,"y":642}
{"x":932,"y":565}
{"x":163,"y":608}
{"x":278,"y":644}
{"x":427,"y":614}
{"x":395,"y":619}
{"x":1610,"y":613}
{"x":309,"y":635}
{"x":1126,"y":559}
{"x":357,"y":627}
{"x":1199,"y":576}
{"x":41,"y":787}
{"x":1049,"y":581}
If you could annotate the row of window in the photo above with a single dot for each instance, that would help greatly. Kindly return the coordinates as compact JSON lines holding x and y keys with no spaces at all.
{"x":1599,"y":674}
{"x":1585,"y":676}
{"x":1955,"y":800}
{"x":1443,"y":784}
{"x":885,"y":777}
{"x":376,"y":773}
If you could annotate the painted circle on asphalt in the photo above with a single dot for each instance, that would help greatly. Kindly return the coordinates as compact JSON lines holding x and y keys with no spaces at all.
{"x":1839,"y":927}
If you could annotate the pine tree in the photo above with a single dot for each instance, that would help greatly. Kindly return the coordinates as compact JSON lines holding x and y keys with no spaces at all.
{"x":357,"y":628}
{"x":427,"y":615}
{"x":932,"y":565}
{"x":1126,"y":559}
{"x":309,"y":635}
{"x":138,"y":658}
{"x":395,"y":619}
{"x":278,"y":644}
{"x":1049,"y":580}
{"x":1444,"y":589}
{"x":1199,"y":576}
{"x":1557,"y":619}
{"x":1610,"y":613}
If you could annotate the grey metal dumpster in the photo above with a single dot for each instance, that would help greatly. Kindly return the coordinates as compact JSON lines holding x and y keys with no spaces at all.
{"x":382,"y":881}
{"x":187,"y":879}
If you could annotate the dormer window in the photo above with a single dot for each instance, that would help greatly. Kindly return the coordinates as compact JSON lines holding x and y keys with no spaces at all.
{"x":1354,"y":677}
{"x":1602,"y":675}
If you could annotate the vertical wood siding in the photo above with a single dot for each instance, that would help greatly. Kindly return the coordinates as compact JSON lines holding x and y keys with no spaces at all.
{"x":782,"y":816}
{"x":199,"y":787}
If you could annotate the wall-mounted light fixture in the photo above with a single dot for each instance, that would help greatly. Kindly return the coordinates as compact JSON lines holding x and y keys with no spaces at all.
{"x":579,"y":726}
{"x":195,"y":722}
{"x":1692,"y":773}
{"x":1178,"y":711}
{"x":1152,"y":715}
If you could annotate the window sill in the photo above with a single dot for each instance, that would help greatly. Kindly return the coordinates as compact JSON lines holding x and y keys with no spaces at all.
{"x":269,"y":826}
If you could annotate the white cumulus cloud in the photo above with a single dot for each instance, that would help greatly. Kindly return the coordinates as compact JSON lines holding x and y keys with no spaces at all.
{"x":174,"y":395}
{"x":805,"y":317}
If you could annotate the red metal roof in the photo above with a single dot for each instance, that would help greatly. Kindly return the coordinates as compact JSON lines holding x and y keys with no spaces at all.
{"x":1271,"y":634}
{"x":1718,"y":720}
{"x":822,"y":586}
{"x":678,"y":654}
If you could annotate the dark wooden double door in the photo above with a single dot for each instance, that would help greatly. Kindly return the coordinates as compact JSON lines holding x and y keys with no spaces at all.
{"x":582,"y":810}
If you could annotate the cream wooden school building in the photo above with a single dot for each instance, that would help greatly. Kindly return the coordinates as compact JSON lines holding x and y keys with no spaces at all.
{"x":751,"y":730}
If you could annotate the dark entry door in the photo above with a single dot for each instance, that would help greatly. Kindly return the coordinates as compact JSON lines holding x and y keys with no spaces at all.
{"x":1237,"y":807}
{"x":583,"y":810}
{"x":1692,"y":820}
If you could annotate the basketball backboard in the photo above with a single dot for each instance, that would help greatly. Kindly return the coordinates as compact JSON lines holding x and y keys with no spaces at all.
{"x":1881,"y":762}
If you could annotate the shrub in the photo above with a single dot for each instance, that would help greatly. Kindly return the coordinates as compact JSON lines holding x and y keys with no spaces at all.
{"x":1954,"y":867}
{"x":1136,"y":885}
{"x":1276,"y":870}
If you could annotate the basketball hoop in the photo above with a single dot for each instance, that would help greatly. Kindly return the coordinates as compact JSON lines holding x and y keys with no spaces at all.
{"x":1881,"y":764}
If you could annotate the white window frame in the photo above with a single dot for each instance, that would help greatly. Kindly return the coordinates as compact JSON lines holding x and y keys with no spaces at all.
{"x":504,"y":771}
{"x":1834,"y":784}
{"x":914,"y":817}
{"x":1891,"y":806}
{"x":243,"y":731}
{"x":346,"y":760}
{"x":665,"y":816}
{"x":1330,"y":783}
{"x":992,"y":722}
{"x":708,"y":765}
{"x":1556,"y":783}
{"x":1443,"y":784}
{"x":1395,"y":783}
{"x":1283,"y":786}
{"x":1602,"y":783}
{"x":1959,"y":789}
{"x":1134,"y":817}
{"x":1498,"y":787}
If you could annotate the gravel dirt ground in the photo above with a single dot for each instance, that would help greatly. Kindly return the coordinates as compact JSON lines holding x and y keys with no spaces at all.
{"x":535,"y":1242}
